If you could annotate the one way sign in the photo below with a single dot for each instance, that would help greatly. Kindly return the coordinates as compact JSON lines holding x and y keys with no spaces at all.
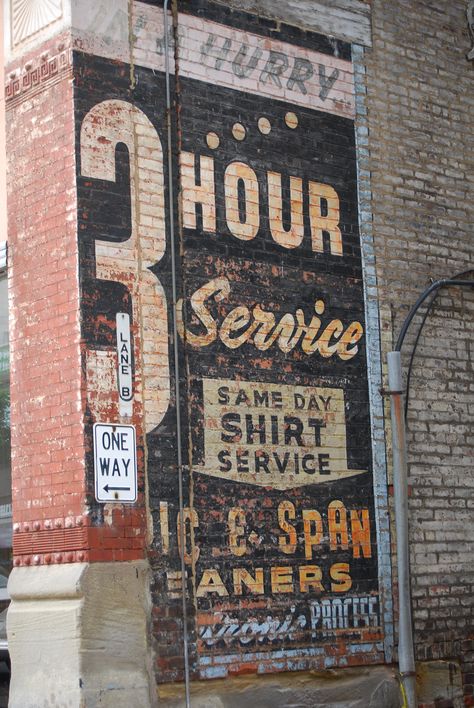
{"x":115,"y":463}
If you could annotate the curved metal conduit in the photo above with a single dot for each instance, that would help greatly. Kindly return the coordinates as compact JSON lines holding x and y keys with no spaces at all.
{"x":182,"y":532}
{"x":406,"y":654}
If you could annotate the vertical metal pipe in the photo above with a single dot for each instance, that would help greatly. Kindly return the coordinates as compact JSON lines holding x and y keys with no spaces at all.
{"x":406,"y":655}
{"x":182,"y":530}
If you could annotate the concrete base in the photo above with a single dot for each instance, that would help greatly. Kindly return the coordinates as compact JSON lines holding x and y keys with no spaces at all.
{"x":438,"y":681}
{"x":361,"y":687}
{"x":78,"y":636}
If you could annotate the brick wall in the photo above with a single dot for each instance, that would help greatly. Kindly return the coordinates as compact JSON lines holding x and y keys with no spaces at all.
{"x":420,"y":104}
{"x":268,"y":227}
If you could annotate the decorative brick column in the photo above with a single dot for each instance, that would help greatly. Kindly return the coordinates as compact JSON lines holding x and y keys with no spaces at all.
{"x":79,"y":587}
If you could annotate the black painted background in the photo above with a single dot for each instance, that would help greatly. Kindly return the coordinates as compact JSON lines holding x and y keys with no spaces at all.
{"x":321,"y":149}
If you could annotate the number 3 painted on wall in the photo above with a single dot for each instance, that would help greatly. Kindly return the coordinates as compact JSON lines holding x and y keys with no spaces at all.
{"x":106,"y":125}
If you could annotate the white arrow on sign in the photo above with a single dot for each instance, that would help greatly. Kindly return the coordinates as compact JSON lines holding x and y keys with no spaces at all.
{"x":115,"y":463}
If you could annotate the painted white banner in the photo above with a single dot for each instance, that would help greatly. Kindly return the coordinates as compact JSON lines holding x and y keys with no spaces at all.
{"x":217,"y":54}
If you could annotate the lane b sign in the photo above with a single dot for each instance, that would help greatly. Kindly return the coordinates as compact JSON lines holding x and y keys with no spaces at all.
{"x":115,"y":463}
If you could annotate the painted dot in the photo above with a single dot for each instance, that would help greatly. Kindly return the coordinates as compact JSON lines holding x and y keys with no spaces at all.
{"x":238,"y":131}
{"x":264,"y":125}
{"x":212,"y":140}
{"x":319,"y":307}
{"x":291,"y":119}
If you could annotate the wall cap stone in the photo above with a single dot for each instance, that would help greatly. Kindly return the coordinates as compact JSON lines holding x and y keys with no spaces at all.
{"x":345,"y":19}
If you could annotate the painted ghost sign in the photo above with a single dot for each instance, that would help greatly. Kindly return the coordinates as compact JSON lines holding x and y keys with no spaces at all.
{"x":281,"y":436}
{"x":279,"y":525}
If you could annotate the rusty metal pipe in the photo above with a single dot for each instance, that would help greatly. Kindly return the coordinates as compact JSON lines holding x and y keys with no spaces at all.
{"x":406,"y":654}
{"x":182,"y":531}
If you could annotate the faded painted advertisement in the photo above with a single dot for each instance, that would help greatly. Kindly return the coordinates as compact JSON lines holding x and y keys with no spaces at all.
{"x":279,"y":527}
{"x":279,"y":436}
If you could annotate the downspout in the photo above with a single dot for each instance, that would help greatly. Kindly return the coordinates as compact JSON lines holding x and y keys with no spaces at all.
{"x":406,"y":654}
{"x":182,"y":530}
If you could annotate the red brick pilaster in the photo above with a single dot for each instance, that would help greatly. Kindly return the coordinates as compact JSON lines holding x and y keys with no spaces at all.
{"x":50,"y":512}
